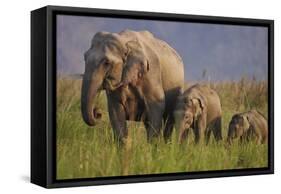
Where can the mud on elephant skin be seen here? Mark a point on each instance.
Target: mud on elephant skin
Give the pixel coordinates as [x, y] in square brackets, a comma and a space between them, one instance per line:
[151, 100]
[199, 109]
[247, 125]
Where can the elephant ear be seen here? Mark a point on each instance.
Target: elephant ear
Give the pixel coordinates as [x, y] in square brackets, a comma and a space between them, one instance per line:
[133, 45]
[134, 48]
[246, 122]
[198, 105]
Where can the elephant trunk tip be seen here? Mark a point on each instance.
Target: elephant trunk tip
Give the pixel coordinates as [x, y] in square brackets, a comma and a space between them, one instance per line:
[121, 84]
[181, 136]
[94, 115]
[97, 113]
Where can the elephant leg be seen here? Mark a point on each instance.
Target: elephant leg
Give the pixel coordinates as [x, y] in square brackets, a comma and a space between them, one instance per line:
[217, 130]
[198, 135]
[153, 130]
[259, 139]
[243, 139]
[184, 136]
[264, 140]
[200, 129]
[196, 132]
[117, 117]
[249, 135]
[153, 122]
[207, 135]
[168, 130]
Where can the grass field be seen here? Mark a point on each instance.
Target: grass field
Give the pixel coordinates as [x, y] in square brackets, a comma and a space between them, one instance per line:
[84, 152]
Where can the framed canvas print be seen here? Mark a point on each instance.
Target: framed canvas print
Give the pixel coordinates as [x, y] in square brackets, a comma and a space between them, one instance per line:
[125, 96]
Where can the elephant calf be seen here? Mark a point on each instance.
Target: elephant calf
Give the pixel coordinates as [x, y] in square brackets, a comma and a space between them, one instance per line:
[198, 108]
[247, 125]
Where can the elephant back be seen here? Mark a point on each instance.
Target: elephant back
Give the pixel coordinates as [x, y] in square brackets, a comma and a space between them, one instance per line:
[171, 67]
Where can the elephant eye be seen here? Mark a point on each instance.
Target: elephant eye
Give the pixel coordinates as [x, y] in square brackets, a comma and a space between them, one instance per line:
[106, 63]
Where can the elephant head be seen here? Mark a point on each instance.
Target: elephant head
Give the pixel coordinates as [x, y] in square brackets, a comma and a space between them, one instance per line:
[103, 70]
[187, 111]
[136, 65]
[238, 125]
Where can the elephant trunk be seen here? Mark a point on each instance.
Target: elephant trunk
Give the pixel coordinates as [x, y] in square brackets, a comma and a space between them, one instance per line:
[91, 85]
[130, 76]
[124, 79]
[182, 132]
[231, 134]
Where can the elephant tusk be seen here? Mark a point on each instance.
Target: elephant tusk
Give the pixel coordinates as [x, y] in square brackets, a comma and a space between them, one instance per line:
[121, 84]
[114, 87]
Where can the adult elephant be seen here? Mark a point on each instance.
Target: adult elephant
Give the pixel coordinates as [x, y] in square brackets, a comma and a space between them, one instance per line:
[104, 64]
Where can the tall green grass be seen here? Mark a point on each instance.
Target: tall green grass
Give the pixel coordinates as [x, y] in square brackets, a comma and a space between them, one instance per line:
[84, 152]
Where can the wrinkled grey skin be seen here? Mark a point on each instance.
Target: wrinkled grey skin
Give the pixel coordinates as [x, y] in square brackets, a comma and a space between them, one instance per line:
[151, 101]
[248, 125]
[198, 108]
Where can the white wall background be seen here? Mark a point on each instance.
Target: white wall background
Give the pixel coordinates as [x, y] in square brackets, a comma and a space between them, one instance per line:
[15, 95]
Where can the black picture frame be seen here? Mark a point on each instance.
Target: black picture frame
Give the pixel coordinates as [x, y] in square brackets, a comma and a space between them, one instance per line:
[43, 95]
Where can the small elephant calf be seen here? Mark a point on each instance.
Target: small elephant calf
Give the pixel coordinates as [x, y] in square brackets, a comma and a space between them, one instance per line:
[198, 108]
[248, 125]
